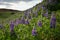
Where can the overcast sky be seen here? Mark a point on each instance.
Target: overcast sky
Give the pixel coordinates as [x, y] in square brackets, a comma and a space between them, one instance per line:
[18, 4]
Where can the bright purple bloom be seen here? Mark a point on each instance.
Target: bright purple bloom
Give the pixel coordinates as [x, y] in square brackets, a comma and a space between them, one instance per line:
[11, 26]
[53, 21]
[40, 23]
[34, 32]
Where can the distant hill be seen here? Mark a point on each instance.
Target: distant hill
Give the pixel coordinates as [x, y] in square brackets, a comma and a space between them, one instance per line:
[8, 10]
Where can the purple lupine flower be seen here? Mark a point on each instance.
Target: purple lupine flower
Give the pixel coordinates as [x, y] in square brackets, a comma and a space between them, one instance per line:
[27, 22]
[38, 8]
[43, 7]
[1, 26]
[22, 20]
[53, 21]
[36, 13]
[49, 1]
[34, 32]
[11, 26]
[29, 16]
[17, 21]
[40, 23]
[25, 14]
[29, 11]
[46, 14]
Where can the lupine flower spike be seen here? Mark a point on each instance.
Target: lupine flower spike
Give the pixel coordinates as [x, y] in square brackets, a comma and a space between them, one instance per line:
[26, 22]
[34, 32]
[53, 21]
[17, 21]
[40, 23]
[22, 20]
[11, 26]
[12, 33]
[46, 14]
[43, 7]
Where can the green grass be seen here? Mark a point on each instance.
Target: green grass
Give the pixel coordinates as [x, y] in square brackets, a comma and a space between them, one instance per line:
[24, 32]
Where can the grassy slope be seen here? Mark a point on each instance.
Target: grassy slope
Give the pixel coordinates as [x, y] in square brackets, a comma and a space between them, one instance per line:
[44, 32]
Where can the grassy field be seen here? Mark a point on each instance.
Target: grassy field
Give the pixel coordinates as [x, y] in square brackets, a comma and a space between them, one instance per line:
[24, 31]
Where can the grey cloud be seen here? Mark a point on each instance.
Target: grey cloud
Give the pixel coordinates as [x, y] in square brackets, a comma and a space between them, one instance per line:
[14, 0]
[4, 4]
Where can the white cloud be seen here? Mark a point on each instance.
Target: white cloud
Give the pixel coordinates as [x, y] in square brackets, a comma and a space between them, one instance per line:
[20, 5]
